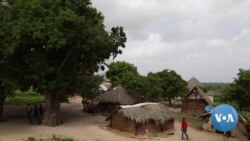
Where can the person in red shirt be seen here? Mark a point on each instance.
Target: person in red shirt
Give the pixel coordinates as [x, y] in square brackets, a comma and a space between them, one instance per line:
[184, 126]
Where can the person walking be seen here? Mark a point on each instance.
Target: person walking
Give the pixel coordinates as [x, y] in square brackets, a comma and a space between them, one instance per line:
[184, 126]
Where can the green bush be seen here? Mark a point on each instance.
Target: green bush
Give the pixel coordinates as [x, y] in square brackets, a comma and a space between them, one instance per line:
[20, 98]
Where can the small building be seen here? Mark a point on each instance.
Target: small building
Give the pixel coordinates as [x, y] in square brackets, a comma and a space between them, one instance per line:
[142, 118]
[195, 101]
[240, 131]
[115, 97]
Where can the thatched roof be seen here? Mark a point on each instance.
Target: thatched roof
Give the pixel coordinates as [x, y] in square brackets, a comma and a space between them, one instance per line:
[118, 95]
[144, 112]
[198, 92]
[193, 82]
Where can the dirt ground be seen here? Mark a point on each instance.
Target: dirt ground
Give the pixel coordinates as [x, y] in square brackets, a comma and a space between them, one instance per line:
[85, 127]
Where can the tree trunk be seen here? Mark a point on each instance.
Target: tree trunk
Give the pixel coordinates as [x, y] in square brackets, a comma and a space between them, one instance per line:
[170, 102]
[2, 99]
[52, 115]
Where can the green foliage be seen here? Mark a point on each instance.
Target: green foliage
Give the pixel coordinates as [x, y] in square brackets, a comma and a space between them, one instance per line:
[215, 86]
[24, 97]
[204, 89]
[55, 138]
[123, 73]
[90, 86]
[154, 86]
[246, 114]
[161, 84]
[118, 72]
[172, 84]
[55, 46]
[238, 93]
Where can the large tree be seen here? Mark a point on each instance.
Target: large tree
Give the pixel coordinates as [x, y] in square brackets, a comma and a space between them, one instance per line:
[61, 44]
[9, 70]
[166, 83]
[118, 70]
[238, 93]
[172, 84]
[126, 74]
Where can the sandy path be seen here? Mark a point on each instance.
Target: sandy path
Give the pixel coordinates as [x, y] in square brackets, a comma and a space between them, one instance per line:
[83, 127]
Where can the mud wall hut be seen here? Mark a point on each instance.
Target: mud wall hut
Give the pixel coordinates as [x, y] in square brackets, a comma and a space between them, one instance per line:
[195, 101]
[142, 118]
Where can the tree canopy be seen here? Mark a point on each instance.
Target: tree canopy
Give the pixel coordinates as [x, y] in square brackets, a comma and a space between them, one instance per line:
[55, 45]
[118, 70]
[171, 84]
[166, 83]
[238, 93]
[62, 41]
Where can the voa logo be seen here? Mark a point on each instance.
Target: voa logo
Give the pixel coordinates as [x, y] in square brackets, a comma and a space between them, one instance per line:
[227, 118]
[224, 118]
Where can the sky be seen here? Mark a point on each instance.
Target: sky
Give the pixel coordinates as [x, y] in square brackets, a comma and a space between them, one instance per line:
[207, 39]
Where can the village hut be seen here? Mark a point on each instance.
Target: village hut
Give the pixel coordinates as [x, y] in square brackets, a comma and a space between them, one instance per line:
[195, 101]
[240, 131]
[142, 118]
[114, 97]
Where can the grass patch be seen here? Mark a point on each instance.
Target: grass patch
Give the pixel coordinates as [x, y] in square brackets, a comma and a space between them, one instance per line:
[21, 98]
[53, 138]
[193, 121]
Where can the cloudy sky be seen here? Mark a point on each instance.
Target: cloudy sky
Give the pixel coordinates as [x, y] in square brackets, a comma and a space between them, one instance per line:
[208, 39]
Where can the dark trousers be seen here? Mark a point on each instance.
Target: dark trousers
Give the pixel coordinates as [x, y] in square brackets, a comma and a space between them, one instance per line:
[30, 117]
[184, 132]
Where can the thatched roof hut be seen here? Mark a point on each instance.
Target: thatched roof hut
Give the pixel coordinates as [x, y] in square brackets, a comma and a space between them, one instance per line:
[118, 95]
[144, 112]
[142, 118]
[195, 101]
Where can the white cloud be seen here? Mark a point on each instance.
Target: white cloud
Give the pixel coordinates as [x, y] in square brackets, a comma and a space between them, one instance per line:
[208, 39]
